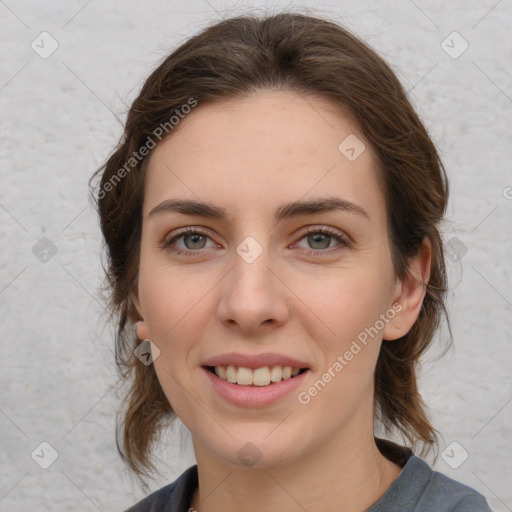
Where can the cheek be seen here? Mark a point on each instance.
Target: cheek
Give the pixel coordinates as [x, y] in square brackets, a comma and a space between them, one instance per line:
[344, 329]
[173, 310]
[343, 302]
[167, 294]
[345, 309]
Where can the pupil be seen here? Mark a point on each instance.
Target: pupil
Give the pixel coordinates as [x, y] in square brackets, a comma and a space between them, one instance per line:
[318, 238]
[196, 239]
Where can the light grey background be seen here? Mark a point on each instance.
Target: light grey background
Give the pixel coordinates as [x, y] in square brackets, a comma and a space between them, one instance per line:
[60, 118]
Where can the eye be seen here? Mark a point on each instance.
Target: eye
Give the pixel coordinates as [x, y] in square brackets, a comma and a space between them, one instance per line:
[319, 240]
[188, 242]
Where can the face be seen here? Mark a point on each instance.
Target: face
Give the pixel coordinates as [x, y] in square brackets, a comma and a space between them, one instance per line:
[268, 274]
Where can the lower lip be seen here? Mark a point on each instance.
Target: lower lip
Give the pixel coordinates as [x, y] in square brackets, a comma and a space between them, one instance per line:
[255, 396]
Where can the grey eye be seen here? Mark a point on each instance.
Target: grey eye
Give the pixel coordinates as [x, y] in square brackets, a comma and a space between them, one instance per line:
[197, 241]
[319, 240]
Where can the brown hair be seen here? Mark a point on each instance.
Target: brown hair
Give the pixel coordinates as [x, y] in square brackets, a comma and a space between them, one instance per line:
[309, 55]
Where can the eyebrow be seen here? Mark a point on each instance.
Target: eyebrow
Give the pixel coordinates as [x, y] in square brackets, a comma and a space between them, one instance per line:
[284, 211]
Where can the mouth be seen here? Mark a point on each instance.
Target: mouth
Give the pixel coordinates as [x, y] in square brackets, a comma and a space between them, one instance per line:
[265, 376]
[255, 387]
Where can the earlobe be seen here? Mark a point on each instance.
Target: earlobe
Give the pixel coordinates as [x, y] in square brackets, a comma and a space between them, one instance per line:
[410, 293]
[142, 330]
[141, 325]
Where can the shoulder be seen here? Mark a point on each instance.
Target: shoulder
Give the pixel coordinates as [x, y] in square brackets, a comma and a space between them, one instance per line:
[174, 497]
[445, 494]
[421, 489]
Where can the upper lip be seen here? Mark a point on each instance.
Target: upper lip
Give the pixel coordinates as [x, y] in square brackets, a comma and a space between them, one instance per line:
[254, 361]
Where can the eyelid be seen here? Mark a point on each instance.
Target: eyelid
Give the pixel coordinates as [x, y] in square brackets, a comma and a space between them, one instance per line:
[174, 235]
[344, 240]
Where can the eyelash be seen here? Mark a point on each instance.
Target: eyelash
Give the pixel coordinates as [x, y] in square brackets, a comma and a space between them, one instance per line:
[340, 238]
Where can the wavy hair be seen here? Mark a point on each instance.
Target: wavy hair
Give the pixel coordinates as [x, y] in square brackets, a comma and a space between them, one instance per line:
[309, 55]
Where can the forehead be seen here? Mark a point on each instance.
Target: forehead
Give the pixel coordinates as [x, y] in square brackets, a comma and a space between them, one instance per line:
[263, 149]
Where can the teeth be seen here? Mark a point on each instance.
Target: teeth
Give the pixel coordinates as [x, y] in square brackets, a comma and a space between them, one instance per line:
[276, 374]
[258, 377]
[221, 372]
[244, 376]
[231, 374]
[261, 377]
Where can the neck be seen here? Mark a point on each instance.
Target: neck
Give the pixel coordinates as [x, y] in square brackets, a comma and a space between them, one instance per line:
[341, 476]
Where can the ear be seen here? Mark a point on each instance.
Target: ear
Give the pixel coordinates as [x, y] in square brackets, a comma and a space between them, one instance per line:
[141, 324]
[410, 293]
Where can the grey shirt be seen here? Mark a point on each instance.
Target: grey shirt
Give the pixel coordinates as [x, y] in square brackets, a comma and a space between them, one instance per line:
[417, 489]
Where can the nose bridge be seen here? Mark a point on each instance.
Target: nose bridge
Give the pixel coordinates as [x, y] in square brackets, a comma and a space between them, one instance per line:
[251, 266]
[251, 276]
[252, 295]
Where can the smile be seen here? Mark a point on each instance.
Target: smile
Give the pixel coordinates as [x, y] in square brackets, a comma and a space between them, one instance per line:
[255, 395]
[265, 376]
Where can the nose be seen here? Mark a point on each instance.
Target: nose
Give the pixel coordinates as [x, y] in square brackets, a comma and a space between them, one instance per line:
[253, 296]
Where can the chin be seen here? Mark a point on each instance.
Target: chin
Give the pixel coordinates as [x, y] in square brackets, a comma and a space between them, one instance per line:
[257, 452]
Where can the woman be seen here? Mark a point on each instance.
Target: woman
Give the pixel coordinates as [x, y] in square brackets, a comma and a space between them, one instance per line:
[271, 218]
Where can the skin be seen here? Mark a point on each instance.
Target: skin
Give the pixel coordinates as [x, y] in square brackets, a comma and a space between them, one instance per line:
[303, 296]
